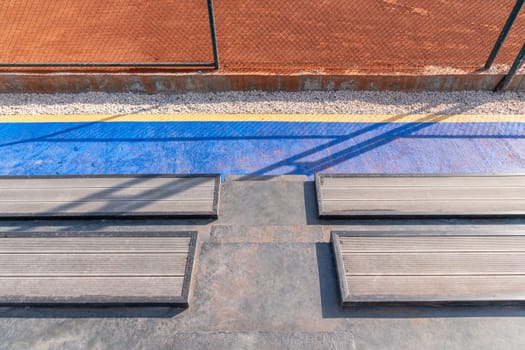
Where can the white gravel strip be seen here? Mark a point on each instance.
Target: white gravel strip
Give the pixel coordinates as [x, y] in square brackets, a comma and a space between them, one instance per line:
[341, 102]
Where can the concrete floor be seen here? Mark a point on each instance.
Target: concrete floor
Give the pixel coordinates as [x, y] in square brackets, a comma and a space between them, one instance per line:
[264, 279]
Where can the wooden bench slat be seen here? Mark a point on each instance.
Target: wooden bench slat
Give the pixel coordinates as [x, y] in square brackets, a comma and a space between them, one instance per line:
[421, 180]
[106, 181]
[80, 264]
[92, 245]
[103, 208]
[110, 196]
[107, 194]
[444, 288]
[472, 207]
[49, 290]
[441, 263]
[424, 193]
[420, 195]
[412, 267]
[96, 268]
[434, 243]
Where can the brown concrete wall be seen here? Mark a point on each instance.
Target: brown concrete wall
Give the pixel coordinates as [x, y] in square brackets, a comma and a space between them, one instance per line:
[213, 82]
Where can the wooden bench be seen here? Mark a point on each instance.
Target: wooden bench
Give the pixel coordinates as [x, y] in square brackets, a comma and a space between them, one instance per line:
[109, 196]
[453, 267]
[390, 196]
[96, 268]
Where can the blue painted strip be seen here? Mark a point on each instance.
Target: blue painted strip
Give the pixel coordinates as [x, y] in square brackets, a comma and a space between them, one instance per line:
[260, 148]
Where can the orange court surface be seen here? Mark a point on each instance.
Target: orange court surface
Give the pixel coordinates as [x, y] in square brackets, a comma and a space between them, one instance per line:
[322, 36]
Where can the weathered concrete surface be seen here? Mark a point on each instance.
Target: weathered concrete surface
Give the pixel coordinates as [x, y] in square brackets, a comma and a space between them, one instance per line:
[219, 82]
[254, 202]
[264, 279]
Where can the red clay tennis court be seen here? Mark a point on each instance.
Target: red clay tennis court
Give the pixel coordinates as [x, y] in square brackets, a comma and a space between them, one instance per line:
[361, 36]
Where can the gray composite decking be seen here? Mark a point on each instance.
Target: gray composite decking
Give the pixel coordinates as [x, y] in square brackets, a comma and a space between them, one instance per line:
[420, 195]
[414, 267]
[110, 196]
[96, 268]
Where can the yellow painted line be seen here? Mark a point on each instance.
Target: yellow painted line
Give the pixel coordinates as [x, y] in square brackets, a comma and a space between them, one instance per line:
[304, 118]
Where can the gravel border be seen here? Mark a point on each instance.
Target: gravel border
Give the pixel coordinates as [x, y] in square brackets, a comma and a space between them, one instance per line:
[340, 102]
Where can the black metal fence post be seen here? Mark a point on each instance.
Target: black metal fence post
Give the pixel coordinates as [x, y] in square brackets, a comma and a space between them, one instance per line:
[504, 84]
[213, 32]
[504, 33]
